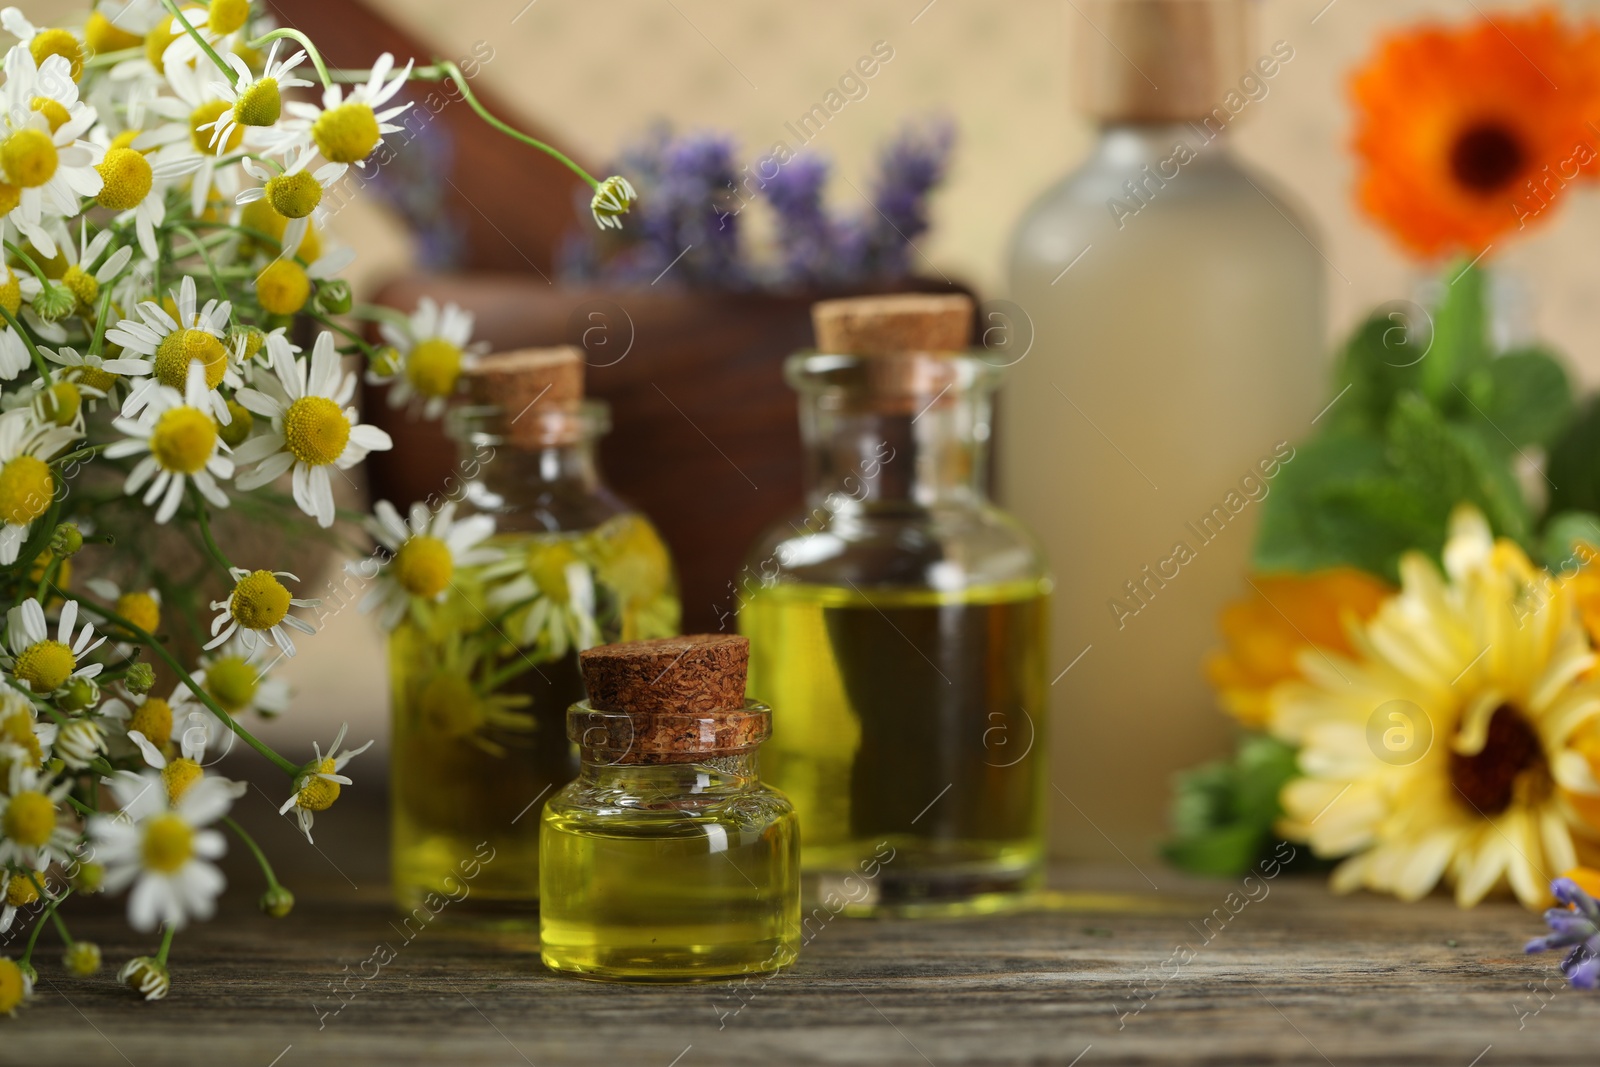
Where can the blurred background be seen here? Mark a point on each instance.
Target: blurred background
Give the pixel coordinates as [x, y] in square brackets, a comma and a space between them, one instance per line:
[591, 77]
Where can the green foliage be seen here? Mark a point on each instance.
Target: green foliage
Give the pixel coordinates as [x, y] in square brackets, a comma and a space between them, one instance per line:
[1424, 420]
[1223, 812]
[1562, 532]
[1574, 467]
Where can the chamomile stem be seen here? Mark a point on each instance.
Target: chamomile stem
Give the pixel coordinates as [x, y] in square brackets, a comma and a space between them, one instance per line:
[50, 910]
[100, 323]
[205, 46]
[193, 686]
[203, 515]
[33, 350]
[250, 843]
[449, 70]
[305, 42]
[166, 944]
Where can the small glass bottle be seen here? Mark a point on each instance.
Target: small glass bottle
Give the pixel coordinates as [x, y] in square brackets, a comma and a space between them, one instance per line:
[668, 859]
[899, 624]
[481, 679]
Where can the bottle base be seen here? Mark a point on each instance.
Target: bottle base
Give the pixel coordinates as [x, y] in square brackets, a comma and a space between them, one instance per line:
[654, 965]
[923, 893]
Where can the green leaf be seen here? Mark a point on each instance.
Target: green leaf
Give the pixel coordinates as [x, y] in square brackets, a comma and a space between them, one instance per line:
[1562, 532]
[1294, 533]
[1223, 812]
[1445, 463]
[1521, 398]
[1574, 466]
[1380, 361]
[1460, 335]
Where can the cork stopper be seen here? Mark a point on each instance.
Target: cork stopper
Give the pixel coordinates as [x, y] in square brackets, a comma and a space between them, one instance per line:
[885, 325]
[537, 391]
[1159, 60]
[670, 700]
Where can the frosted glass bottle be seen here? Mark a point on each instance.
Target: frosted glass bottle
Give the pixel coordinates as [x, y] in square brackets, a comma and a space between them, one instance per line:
[1176, 357]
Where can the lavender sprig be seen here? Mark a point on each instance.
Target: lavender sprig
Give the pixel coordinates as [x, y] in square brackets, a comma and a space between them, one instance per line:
[1574, 926]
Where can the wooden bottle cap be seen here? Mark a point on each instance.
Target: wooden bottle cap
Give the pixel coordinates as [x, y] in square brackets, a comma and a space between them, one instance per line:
[670, 700]
[691, 674]
[537, 390]
[1195, 51]
[888, 325]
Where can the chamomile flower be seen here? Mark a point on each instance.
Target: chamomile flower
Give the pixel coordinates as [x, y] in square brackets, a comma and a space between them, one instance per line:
[98, 377]
[612, 199]
[33, 832]
[313, 427]
[186, 133]
[43, 42]
[434, 349]
[80, 742]
[22, 734]
[258, 611]
[255, 101]
[42, 664]
[220, 22]
[17, 891]
[47, 165]
[81, 277]
[344, 130]
[167, 347]
[424, 554]
[27, 484]
[138, 189]
[550, 592]
[236, 677]
[142, 607]
[295, 193]
[163, 850]
[16, 986]
[154, 724]
[317, 785]
[179, 435]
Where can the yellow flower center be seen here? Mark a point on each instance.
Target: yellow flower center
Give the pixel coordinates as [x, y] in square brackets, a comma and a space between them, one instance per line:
[433, 367]
[168, 844]
[26, 489]
[232, 683]
[30, 818]
[10, 197]
[45, 666]
[13, 987]
[294, 196]
[54, 111]
[60, 403]
[283, 287]
[259, 601]
[103, 35]
[448, 706]
[385, 362]
[153, 718]
[182, 347]
[17, 729]
[423, 566]
[178, 776]
[47, 43]
[82, 958]
[127, 179]
[226, 16]
[547, 565]
[347, 133]
[11, 290]
[29, 158]
[239, 424]
[315, 430]
[259, 105]
[318, 794]
[204, 116]
[20, 891]
[82, 285]
[156, 41]
[142, 610]
[183, 440]
[95, 378]
[253, 340]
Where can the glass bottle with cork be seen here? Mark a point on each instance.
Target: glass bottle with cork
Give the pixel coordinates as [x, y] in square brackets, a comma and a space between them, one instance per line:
[668, 859]
[898, 625]
[481, 679]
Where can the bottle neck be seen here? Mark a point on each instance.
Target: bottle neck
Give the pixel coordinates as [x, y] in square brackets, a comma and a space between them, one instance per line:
[568, 465]
[660, 782]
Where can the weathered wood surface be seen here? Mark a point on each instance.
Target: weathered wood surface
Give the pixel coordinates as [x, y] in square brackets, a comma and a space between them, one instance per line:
[1296, 976]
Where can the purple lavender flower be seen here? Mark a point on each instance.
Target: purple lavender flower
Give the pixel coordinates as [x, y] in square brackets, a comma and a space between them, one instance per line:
[805, 235]
[879, 245]
[1574, 926]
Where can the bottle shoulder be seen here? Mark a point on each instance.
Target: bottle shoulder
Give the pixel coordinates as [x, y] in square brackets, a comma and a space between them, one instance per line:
[941, 548]
[630, 808]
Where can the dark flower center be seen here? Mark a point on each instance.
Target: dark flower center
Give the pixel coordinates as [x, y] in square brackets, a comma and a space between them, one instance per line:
[1486, 780]
[1486, 157]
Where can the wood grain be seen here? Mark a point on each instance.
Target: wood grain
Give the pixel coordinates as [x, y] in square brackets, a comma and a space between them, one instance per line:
[1295, 976]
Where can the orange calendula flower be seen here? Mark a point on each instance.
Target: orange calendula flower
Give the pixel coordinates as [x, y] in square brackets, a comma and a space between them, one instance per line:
[1588, 879]
[1265, 632]
[1467, 133]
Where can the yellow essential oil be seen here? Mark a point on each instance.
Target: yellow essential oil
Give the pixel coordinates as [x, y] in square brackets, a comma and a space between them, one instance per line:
[913, 720]
[645, 889]
[668, 859]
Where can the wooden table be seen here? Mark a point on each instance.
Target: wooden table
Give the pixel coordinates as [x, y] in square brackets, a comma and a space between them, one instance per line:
[1294, 975]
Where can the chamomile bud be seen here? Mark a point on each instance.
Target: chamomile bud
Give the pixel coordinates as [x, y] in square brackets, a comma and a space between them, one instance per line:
[55, 301]
[141, 678]
[333, 296]
[82, 958]
[146, 976]
[277, 902]
[89, 877]
[66, 540]
[612, 198]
